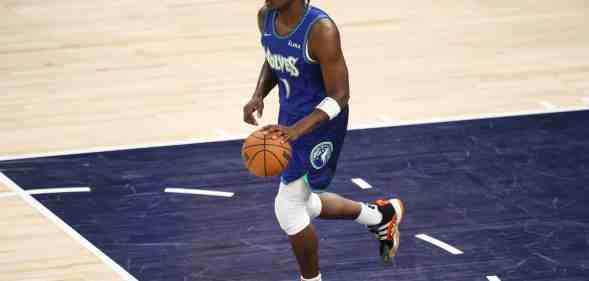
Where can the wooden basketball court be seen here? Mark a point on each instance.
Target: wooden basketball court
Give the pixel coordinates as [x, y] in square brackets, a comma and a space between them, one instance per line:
[91, 76]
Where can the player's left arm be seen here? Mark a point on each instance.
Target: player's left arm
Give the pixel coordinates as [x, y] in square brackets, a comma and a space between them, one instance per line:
[324, 47]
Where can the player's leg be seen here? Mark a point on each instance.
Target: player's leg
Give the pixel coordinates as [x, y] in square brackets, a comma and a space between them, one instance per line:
[306, 249]
[332, 206]
[291, 209]
[382, 217]
[296, 205]
[336, 207]
[295, 198]
[339, 208]
[321, 167]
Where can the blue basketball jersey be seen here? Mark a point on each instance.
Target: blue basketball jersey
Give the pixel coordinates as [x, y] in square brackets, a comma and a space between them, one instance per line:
[300, 80]
[301, 89]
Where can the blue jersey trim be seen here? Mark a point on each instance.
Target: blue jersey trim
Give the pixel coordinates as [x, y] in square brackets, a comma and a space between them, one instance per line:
[264, 27]
[301, 21]
[306, 38]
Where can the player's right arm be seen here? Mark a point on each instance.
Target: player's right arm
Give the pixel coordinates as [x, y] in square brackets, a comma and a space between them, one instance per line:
[266, 82]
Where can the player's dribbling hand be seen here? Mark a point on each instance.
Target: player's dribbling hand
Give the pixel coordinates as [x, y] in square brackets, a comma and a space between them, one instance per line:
[255, 104]
[282, 133]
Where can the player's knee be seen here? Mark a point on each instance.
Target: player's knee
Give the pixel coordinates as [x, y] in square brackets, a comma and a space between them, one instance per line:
[290, 207]
[314, 206]
[292, 216]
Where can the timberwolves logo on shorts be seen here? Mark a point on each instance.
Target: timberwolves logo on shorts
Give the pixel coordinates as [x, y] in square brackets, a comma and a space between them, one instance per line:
[321, 154]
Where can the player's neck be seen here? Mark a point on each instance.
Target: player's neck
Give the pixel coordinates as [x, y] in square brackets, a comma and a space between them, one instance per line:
[291, 15]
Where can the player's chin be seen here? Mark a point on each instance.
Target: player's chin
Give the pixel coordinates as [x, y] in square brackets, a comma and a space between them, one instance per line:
[277, 4]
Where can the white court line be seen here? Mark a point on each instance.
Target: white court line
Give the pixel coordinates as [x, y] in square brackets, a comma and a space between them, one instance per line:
[224, 134]
[361, 183]
[104, 149]
[441, 244]
[548, 105]
[387, 120]
[471, 117]
[247, 132]
[8, 194]
[227, 138]
[57, 190]
[66, 228]
[493, 278]
[198, 192]
[47, 191]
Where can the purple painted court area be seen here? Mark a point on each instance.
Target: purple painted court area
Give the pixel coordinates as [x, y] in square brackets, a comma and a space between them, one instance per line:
[512, 193]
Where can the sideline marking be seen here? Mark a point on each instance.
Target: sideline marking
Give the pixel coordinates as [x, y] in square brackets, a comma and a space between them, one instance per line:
[548, 105]
[8, 194]
[65, 227]
[224, 134]
[387, 120]
[356, 127]
[471, 117]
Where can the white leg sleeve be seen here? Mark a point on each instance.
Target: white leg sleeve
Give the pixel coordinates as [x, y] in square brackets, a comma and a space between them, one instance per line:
[295, 205]
[314, 206]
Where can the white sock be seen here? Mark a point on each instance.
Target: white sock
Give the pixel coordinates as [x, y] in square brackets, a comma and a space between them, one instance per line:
[369, 215]
[318, 278]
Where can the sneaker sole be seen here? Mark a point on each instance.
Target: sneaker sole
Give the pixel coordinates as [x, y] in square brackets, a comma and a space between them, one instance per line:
[399, 213]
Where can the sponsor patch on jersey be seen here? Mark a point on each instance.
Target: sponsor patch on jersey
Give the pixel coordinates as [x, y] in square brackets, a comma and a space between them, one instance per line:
[294, 45]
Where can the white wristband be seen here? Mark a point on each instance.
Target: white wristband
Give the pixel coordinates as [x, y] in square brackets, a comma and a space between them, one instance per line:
[330, 107]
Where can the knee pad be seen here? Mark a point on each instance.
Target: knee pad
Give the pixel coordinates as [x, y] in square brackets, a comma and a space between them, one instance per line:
[290, 206]
[314, 206]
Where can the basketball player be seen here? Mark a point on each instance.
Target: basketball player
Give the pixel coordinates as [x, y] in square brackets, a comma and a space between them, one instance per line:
[304, 57]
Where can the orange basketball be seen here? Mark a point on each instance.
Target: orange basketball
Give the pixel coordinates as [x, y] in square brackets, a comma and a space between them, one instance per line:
[263, 156]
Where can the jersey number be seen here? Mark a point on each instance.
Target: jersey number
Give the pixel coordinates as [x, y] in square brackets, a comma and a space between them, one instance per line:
[286, 87]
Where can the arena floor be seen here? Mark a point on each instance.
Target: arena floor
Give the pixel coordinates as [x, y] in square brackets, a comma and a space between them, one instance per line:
[474, 113]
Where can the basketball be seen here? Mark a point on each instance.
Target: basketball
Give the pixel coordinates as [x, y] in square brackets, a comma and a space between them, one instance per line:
[263, 156]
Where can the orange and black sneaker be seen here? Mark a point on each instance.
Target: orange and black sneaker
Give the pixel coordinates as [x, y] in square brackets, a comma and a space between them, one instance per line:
[387, 232]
